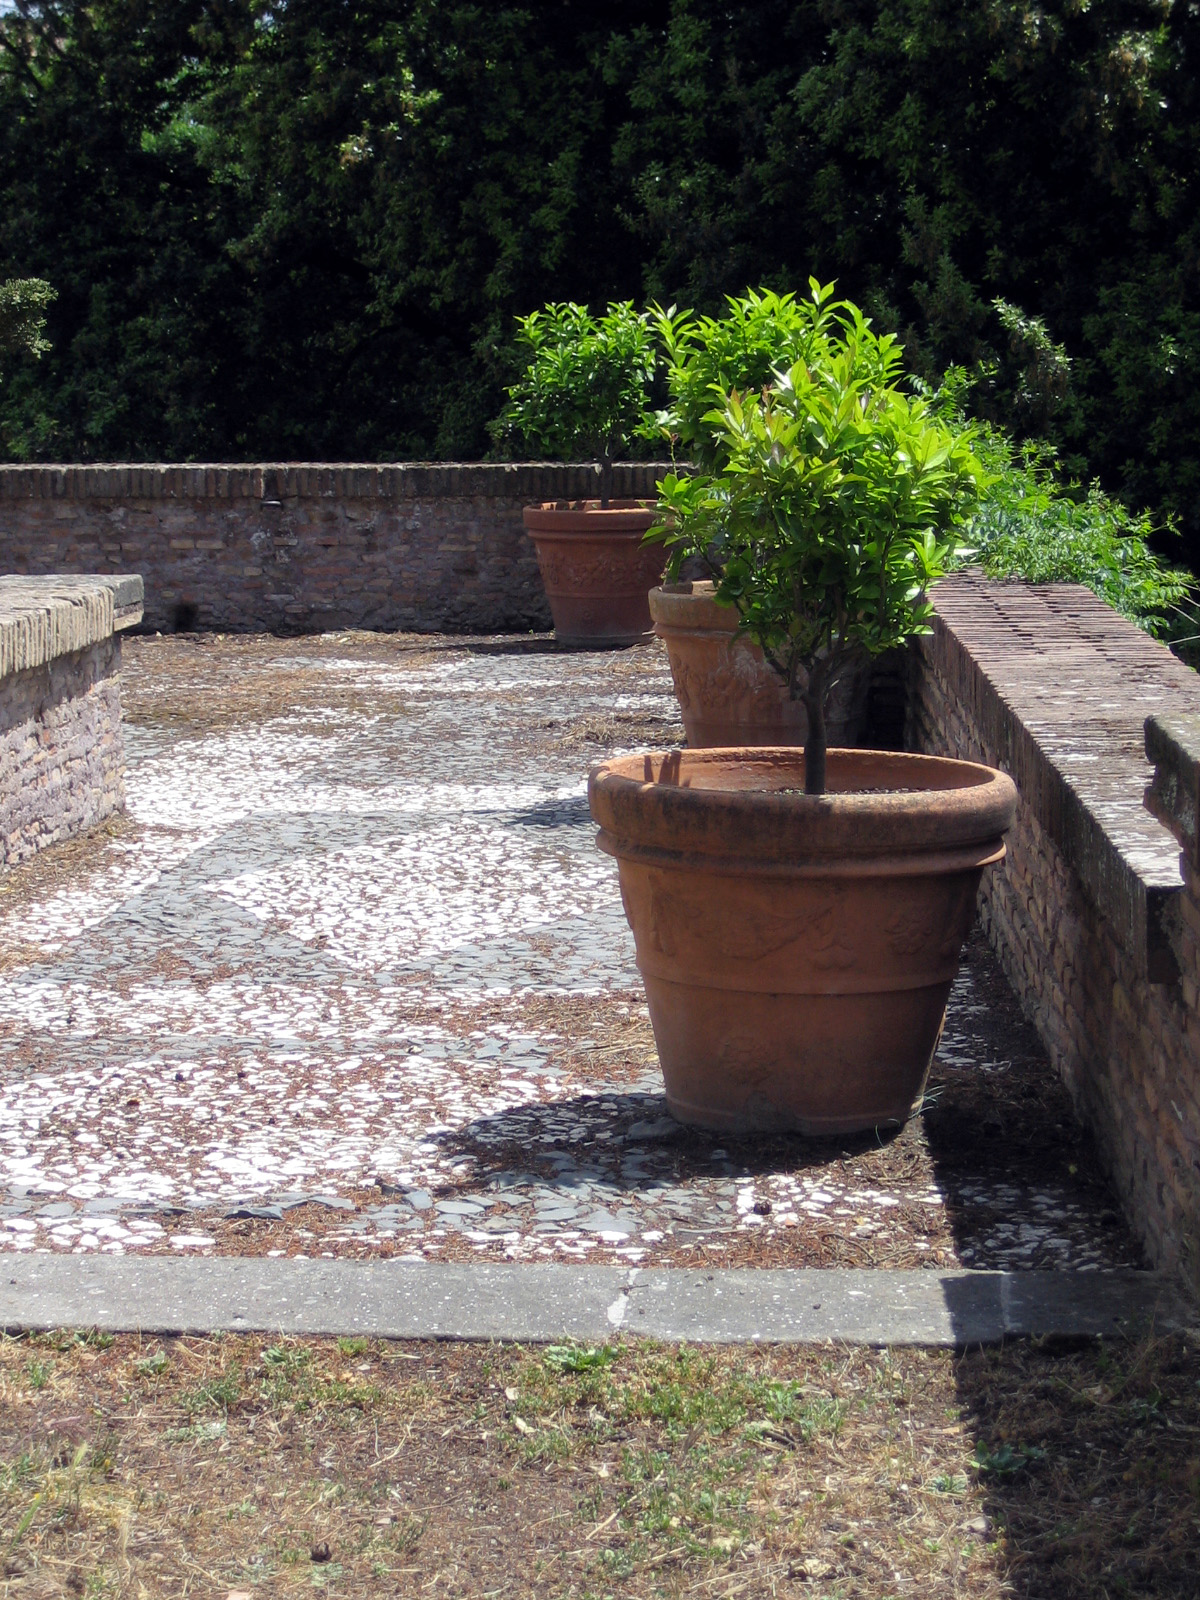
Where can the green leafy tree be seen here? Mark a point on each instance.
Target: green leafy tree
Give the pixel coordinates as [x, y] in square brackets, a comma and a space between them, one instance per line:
[839, 504]
[761, 334]
[306, 229]
[586, 392]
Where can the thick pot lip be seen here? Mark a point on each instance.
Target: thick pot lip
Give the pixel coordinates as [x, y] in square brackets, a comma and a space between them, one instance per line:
[726, 805]
[586, 516]
[692, 611]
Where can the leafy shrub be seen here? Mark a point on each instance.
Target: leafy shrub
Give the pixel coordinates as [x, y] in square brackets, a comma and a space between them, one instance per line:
[762, 334]
[838, 505]
[1032, 524]
[585, 394]
[23, 303]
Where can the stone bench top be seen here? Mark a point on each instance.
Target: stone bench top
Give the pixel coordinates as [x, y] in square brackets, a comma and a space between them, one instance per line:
[45, 617]
[1062, 687]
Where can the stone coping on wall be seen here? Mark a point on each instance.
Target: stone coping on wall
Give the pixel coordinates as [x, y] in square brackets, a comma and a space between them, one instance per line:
[42, 618]
[290, 480]
[1173, 745]
[1061, 687]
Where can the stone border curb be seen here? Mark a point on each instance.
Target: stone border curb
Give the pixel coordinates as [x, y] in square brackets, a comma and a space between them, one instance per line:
[426, 1300]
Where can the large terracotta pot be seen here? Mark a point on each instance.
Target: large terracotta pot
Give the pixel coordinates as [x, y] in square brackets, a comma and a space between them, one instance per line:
[596, 570]
[727, 693]
[798, 950]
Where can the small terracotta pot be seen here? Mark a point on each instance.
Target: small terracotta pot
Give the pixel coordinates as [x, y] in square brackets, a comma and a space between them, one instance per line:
[798, 950]
[727, 693]
[596, 570]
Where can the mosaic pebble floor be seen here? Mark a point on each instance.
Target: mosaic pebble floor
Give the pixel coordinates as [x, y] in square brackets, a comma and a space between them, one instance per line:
[351, 978]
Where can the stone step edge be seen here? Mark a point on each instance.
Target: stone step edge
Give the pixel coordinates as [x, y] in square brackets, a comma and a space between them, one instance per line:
[544, 1303]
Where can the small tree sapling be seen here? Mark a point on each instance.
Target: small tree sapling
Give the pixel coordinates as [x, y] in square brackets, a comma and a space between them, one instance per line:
[838, 504]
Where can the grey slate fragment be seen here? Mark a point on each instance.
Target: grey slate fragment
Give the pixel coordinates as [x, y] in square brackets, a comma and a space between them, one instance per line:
[606, 1222]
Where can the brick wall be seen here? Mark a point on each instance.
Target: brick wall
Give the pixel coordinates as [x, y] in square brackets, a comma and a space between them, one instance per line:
[1091, 915]
[301, 548]
[61, 754]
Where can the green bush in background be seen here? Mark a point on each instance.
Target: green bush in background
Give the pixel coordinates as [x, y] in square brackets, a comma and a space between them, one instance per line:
[23, 303]
[1030, 525]
[303, 230]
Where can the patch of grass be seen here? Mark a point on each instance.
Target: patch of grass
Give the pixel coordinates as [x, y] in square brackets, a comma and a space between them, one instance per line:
[578, 1358]
[215, 1394]
[1007, 1460]
[651, 1471]
[63, 1339]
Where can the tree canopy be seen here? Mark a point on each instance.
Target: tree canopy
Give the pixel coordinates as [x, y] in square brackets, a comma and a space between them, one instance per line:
[305, 229]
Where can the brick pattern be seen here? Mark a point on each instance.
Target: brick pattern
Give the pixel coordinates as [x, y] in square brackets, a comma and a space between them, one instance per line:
[296, 547]
[61, 754]
[1090, 907]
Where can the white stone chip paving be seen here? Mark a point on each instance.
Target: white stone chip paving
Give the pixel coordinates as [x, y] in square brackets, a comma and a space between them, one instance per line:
[323, 966]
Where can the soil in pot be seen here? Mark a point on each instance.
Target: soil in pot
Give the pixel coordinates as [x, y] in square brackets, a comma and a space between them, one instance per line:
[727, 693]
[596, 569]
[798, 950]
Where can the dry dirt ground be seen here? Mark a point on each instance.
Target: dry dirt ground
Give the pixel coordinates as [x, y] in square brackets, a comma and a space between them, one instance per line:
[244, 1467]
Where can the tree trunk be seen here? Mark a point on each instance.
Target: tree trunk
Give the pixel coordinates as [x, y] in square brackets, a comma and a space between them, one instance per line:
[814, 747]
[606, 481]
[813, 700]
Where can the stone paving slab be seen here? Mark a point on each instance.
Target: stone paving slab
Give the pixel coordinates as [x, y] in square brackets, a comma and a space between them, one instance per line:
[899, 1307]
[424, 1300]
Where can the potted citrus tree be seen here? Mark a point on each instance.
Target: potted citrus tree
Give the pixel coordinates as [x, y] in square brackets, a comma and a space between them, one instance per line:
[799, 913]
[586, 396]
[728, 694]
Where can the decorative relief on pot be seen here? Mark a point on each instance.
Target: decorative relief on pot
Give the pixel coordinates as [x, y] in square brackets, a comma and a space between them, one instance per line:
[831, 952]
[914, 926]
[605, 573]
[664, 915]
[678, 920]
[730, 686]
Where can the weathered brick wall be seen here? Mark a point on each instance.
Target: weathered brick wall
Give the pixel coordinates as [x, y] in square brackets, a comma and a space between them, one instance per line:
[1089, 914]
[301, 548]
[61, 753]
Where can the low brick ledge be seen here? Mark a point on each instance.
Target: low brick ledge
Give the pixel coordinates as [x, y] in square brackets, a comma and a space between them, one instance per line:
[45, 617]
[300, 480]
[1173, 745]
[1061, 688]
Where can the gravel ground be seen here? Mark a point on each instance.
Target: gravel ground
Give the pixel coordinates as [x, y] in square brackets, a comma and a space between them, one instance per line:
[351, 978]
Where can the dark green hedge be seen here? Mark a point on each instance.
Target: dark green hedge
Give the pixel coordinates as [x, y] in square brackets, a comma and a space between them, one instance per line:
[303, 230]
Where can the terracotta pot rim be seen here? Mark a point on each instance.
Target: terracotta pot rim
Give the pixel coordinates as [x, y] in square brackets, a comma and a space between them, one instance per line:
[642, 807]
[592, 507]
[693, 614]
[583, 519]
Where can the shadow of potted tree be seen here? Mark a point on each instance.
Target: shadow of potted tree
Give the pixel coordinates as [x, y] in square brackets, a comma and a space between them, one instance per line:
[799, 914]
[586, 396]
